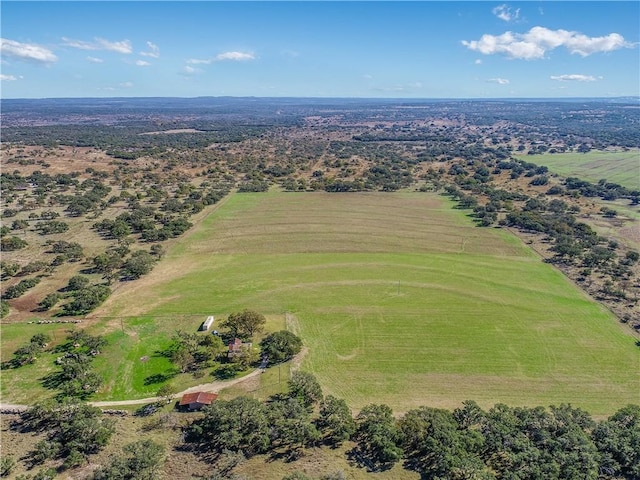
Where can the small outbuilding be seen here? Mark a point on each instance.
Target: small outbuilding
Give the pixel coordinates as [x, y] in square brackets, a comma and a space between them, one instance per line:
[237, 346]
[197, 400]
[206, 324]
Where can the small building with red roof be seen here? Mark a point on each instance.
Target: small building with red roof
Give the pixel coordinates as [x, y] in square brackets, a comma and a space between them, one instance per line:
[197, 400]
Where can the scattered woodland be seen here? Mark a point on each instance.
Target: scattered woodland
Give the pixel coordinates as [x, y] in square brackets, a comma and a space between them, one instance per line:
[93, 191]
[135, 175]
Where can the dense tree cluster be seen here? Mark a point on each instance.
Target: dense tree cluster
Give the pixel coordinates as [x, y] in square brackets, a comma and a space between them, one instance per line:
[14, 291]
[141, 461]
[73, 431]
[9, 244]
[86, 299]
[9, 269]
[280, 346]
[244, 324]
[251, 427]
[192, 351]
[51, 226]
[561, 442]
[27, 353]
[71, 250]
[76, 377]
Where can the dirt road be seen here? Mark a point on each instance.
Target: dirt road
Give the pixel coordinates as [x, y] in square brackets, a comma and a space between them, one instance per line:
[205, 387]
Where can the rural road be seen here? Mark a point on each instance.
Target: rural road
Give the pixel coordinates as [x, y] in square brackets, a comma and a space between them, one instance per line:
[205, 387]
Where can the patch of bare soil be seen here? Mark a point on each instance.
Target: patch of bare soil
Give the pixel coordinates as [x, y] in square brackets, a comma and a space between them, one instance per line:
[24, 305]
[62, 159]
[632, 232]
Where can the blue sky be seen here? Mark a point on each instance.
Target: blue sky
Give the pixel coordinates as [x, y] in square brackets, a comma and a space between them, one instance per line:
[413, 49]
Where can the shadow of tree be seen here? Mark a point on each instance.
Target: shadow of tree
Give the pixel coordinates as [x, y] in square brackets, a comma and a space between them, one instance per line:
[358, 458]
[160, 377]
[53, 380]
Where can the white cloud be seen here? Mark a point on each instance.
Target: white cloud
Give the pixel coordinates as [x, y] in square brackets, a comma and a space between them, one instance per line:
[232, 56]
[126, 84]
[535, 43]
[478, 62]
[235, 56]
[8, 78]
[504, 12]
[584, 46]
[198, 61]
[499, 81]
[94, 60]
[142, 63]
[27, 52]
[154, 51]
[68, 42]
[123, 46]
[574, 78]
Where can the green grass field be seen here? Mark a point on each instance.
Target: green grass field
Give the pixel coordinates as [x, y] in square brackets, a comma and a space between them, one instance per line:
[128, 365]
[400, 299]
[622, 168]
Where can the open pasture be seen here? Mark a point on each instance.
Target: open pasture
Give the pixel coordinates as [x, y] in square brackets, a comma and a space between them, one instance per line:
[401, 300]
[622, 168]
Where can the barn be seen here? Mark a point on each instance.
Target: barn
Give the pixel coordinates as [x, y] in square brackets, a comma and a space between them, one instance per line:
[197, 400]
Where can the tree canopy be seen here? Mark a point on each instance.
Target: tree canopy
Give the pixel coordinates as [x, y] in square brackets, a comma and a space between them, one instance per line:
[74, 430]
[244, 324]
[280, 346]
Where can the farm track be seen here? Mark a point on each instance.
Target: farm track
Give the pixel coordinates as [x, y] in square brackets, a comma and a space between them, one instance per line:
[206, 387]
[214, 387]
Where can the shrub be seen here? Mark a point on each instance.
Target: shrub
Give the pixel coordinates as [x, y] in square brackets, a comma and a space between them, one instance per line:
[9, 244]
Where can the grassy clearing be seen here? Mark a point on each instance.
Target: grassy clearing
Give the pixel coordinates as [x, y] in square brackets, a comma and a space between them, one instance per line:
[401, 300]
[622, 168]
[272, 381]
[132, 365]
[140, 342]
[23, 385]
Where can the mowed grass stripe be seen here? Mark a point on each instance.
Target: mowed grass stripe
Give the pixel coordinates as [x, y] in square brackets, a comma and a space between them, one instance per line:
[321, 222]
[429, 323]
